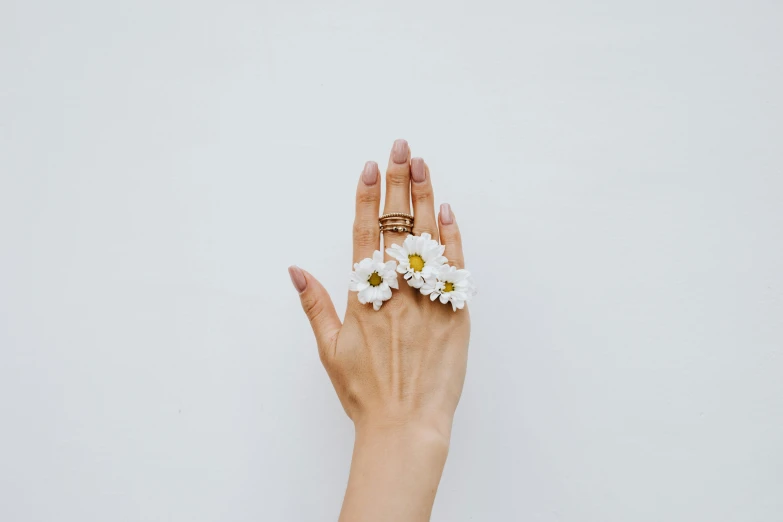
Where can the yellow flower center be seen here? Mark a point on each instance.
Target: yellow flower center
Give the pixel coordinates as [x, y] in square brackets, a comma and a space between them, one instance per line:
[375, 279]
[416, 262]
[448, 286]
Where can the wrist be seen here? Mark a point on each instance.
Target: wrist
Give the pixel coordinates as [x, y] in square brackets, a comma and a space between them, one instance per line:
[431, 431]
[427, 445]
[412, 435]
[395, 472]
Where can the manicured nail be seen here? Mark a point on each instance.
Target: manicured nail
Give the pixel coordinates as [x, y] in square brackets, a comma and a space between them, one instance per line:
[445, 214]
[297, 278]
[370, 173]
[417, 170]
[400, 151]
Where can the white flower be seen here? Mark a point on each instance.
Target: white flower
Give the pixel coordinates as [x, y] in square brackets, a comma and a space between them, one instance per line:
[373, 279]
[450, 284]
[418, 257]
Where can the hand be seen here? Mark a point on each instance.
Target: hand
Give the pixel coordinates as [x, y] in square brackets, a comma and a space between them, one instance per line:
[399, 371]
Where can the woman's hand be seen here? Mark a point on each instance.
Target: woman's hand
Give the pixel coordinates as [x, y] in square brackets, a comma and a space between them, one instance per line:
[398, 371]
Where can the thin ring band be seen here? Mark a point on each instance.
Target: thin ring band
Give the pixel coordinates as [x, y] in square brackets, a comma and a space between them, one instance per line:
[405, 222]
[398, 228]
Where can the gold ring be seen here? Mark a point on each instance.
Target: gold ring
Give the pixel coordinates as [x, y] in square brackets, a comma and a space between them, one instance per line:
[396, 222]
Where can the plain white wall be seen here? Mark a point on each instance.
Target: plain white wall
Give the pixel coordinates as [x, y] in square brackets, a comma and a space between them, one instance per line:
[616, 168]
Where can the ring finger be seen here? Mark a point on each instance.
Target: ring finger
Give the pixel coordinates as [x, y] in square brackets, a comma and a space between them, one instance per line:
[423, 200]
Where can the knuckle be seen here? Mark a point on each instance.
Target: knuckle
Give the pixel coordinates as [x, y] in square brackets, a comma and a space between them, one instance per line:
[312, 307]
[452, 235]
[421, 195]
[364, 234]
[398, 177]
[367, 197]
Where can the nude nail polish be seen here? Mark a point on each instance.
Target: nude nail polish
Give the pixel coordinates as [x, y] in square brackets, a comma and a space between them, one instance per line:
[370, 173]
[446, 217]
[400, 151]
[297, 278]
[418, 173]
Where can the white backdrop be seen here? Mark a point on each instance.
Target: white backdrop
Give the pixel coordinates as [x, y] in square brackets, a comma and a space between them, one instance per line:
[616, 169]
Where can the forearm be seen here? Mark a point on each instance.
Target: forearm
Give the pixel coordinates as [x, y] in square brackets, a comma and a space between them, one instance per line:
[394, 474]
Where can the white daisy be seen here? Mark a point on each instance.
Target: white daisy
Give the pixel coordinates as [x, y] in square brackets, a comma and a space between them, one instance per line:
[418, 257]
[450, 284]
[373, 279]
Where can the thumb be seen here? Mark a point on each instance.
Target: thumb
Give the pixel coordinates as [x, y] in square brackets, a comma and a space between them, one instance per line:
[318, 306]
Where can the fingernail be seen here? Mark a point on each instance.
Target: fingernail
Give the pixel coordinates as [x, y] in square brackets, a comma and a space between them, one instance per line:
[400, 151]
[370, 173]
[445, 214]
[297, 278]
[417, 170]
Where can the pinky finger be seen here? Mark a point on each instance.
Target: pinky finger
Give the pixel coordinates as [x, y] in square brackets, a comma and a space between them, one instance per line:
[450, 236]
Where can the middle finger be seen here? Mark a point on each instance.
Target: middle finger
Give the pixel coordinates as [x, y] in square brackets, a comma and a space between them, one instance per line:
[398, 188]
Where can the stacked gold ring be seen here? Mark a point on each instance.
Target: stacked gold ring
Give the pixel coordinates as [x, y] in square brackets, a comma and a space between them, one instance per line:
[396, 222]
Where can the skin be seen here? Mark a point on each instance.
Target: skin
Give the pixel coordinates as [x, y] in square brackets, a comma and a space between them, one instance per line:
[398, 372]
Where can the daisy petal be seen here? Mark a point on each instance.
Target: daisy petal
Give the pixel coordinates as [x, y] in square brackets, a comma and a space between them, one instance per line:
[416, 282]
